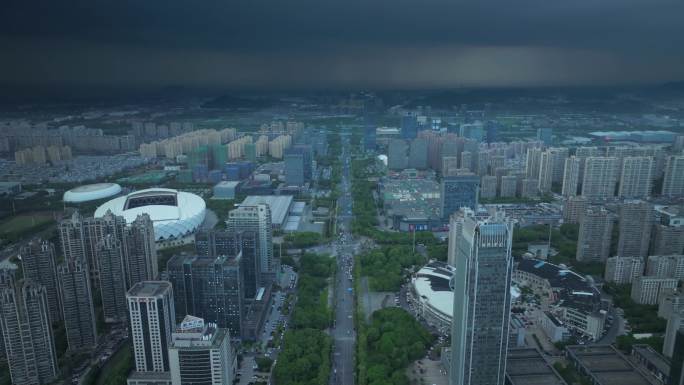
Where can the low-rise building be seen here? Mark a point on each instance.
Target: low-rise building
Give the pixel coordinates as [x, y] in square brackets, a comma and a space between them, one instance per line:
[605, 365]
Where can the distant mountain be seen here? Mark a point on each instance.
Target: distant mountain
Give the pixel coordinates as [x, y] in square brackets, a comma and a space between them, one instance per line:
[236, 102]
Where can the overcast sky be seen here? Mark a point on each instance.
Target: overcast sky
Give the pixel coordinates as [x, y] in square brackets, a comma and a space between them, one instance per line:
[337, 43]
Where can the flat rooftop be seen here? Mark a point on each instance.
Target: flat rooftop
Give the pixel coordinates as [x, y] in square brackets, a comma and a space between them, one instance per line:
[149, 289]
[607, 365]
[279, 205]
[526, 366]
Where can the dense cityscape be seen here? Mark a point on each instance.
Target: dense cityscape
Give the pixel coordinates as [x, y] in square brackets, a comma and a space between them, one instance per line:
[316, 192]
[347, 243]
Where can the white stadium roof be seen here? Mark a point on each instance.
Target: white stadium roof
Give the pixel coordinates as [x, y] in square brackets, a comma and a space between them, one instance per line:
[91, 192]
[174, 213]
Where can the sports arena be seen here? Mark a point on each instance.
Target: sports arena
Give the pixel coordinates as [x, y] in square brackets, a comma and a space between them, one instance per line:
[175, 214]
[91, 192]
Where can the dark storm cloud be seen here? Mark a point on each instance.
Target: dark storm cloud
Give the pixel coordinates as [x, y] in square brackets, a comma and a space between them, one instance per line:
[419, 43]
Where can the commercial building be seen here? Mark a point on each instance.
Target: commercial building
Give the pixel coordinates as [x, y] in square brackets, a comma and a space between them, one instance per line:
[210, 288]
[152, 320]
[635, 224]
[225, 190]
[553, 327]
[482, 290]
[527, 366]
[257, 220]
[459, 191]
[577, 303]
[450, 166]
[596, 226]
[605, 365]
[623, 270]
[200, 353]
[39, 265]
[431, 289]
[600, 177]
[281, 207]
[27, 334]
[636, 178]
[411, 200]
[298, 165]
[418, 154]
[396, 155]
[646, 290]
[673, 183]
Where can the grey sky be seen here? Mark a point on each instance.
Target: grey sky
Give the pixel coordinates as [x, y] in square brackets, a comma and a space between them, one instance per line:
[325, 43]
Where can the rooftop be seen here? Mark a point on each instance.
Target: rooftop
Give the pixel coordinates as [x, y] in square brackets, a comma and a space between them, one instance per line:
[526, 366]
[279, 205]
[607, 365]
[149, 289]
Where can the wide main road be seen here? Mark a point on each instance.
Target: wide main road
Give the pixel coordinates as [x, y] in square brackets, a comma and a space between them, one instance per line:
[343, 333]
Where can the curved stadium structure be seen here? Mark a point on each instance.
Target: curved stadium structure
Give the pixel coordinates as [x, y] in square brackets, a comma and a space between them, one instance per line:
[91, 192]
[175, 214]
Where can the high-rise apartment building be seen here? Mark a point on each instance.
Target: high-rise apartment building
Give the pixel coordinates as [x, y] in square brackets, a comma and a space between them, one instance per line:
[39, 264]
[257, 219]
[459, 191]
[200, 353]
[571, 176]
[600, 177]
[623, 270]
[509, 186]
[27, 334]
[635, 224]
[596, 226]
[152, 318]
[668, 231]
[77, 303]
[479, 338]
[665, 266]
[449, 166]
[646, 290]
[545, 172]
[675, 326]
[140, 251]
[112, 279]
[533, 162]
[488, 187]
[673, 183]
[636, 177]
[298, 165]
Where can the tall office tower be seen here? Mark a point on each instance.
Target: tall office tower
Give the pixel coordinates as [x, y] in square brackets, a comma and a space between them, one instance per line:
[545, 135]
[409, 126]
[200, 353]
[459, 191]
[396, 155]
[509, 186]
[418, 154]
[600, 176]
[257, 219]
[77, 304]
[545, 172]
[635, 225]
[467, 160]
[38, 261]
[636, 177]
[673, 183]
[112, 279]
[571, 176]
[208, 287]
[294, 169]
[479, 338]
[623, 270]
[29, 343]
[488, 186]
[596, 226]
[140, 251]
[533, 162]
[152, 317]
[665, 266]
[449, 166]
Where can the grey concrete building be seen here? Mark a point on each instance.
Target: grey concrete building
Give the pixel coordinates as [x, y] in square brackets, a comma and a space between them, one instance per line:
[39, 264]
[635, 224]
[596, 226]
